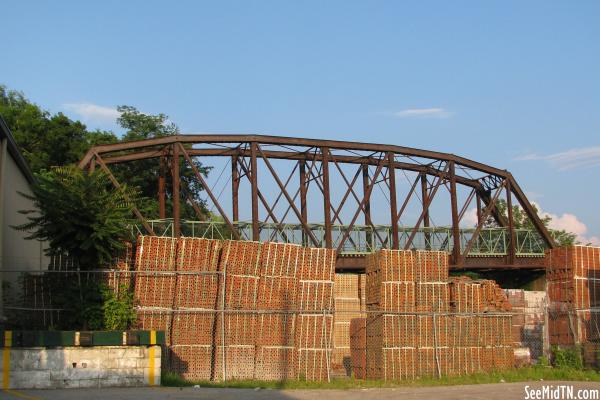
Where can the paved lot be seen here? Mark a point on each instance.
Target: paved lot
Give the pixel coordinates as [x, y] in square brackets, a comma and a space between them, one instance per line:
[500, 391]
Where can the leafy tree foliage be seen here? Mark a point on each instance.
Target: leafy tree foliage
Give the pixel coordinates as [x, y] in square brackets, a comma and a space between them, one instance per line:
[55, 140]
[117, 308]
[143, 174]
[47, 140]
[80, 214]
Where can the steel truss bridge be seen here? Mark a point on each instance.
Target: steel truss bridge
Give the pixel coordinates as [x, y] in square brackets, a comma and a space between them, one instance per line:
[326, 194]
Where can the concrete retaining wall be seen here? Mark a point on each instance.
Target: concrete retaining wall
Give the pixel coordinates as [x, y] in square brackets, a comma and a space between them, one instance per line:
[80, 367]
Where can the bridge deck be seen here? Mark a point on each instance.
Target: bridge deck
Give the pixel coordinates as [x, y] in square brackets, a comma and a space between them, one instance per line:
[490, 250]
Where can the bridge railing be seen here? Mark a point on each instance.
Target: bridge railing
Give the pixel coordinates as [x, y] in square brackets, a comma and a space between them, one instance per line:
[491, 242]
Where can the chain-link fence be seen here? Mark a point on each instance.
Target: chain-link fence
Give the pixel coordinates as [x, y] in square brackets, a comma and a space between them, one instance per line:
[271, 312]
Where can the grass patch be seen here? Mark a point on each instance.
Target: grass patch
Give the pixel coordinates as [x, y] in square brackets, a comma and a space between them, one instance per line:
[514, 375]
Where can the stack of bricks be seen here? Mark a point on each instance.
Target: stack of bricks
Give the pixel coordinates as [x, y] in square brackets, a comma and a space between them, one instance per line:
[237, 327]
[237, 310]
[154, 287]
[155, 272]
[466, 295]
[348, 305]
[493, 297]
[314, 323]
[119, 276]
[414, 329]
[529, 318]
[391, 287]
[277, 297]
[573, 279]
[480, 342]
[358, 347]
[196, 299]
[476, 296]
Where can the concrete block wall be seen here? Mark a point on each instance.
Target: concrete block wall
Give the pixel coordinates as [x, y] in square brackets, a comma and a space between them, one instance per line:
[80, 367]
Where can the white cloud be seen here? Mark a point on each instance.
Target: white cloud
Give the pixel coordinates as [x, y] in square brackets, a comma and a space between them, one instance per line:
[470, 218]
[435, 112]
[93, 113]
[570, 223]
[582, 157]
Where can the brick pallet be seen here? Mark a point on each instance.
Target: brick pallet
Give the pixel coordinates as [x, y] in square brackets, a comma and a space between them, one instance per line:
[358, 347]
[236, 332]
[277, 291]
[529, 319]
[315, 320]
[348, 305]
[277, 321]
[197, 297]
[573, 288]
[412, 329]
[155, 271]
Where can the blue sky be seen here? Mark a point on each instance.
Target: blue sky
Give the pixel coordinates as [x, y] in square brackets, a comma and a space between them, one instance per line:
[512, 84]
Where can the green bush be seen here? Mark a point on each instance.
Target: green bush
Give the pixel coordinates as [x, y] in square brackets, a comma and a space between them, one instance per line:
[567, 357]
[117, 308]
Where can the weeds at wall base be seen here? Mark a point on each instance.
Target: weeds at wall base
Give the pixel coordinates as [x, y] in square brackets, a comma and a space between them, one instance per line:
[535, 373]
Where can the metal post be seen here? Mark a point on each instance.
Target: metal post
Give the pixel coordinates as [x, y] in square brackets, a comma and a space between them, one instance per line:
[326, 198]
[117, 185]
[367, 209]
[175, 179]
[208, 191]
[393, 205]
[223, 300]
[424, 200]
[303, 190]
[455, 229]
[254, 191]
[478, 209]
[162, 210]
[235, 186]
[511, 225]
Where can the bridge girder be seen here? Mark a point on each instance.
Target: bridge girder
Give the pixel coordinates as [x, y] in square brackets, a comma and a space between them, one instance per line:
[434, 169]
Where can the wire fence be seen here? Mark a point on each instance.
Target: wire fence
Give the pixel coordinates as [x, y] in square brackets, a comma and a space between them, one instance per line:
[220, 331]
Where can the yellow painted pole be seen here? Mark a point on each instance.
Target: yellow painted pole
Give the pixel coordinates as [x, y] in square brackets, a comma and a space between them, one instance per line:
[6, 360]
[151, 355]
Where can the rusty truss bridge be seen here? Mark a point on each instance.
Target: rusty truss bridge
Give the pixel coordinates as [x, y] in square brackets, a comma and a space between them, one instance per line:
[354, 197]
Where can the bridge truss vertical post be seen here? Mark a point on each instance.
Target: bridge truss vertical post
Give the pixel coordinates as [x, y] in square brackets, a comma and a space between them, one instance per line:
[326, 198]
[478, 199]
[511, 225]
[176, 183]
[235, 187]
[303, 190]
[455, 219]
[254, 191]
[393, 203]
[424, 200]
[367, 209]
[162, 208]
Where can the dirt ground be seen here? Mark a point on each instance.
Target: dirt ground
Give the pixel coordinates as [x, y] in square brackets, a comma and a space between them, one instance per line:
[497, 391]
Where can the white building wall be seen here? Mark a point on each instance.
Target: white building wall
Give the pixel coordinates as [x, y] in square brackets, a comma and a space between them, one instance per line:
[18, 253]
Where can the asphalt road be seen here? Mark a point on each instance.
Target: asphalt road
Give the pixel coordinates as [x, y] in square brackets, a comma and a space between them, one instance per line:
[497, 391]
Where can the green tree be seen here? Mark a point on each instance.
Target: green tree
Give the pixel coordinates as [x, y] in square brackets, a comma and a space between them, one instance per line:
[143, 174]
[80, 215]
[47, 140]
